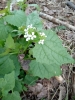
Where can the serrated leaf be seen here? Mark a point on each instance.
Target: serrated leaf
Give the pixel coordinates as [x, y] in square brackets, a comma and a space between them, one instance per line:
[51, 51]
[34, 19]
[7, 83]
[13, 96]
[44, 70]
[17, 19]
[5, 29]
[10, 42]
[10, 83]
[6, 65]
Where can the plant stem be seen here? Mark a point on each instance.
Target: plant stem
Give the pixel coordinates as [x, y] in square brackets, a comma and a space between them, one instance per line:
[26, 47]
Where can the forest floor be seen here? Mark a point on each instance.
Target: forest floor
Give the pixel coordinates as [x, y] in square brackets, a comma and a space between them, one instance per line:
[62, 87]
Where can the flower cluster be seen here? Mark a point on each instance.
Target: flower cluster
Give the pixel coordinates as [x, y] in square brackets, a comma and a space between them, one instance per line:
[41, 41]
[29, 36]
[33, 34]
[42, 34]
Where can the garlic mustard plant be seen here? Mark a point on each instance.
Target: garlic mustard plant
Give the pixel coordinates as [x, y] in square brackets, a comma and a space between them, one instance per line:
[42, 48]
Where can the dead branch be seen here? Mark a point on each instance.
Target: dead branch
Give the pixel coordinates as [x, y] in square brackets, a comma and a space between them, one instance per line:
[55, 93]
[52, 19]
[73, 81]
[68, 81]
[62, 92]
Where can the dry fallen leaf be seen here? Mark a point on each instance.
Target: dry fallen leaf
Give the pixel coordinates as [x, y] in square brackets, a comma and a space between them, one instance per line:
[24, 63]
[43, 93]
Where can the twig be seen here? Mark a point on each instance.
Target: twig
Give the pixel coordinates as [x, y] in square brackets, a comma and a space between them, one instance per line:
[52, 19]
[67, 83]
[73, 80]
[55, 94]
[62, 92]
[48, 91]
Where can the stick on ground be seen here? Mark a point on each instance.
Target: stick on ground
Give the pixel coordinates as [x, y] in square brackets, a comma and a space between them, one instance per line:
[52, 19]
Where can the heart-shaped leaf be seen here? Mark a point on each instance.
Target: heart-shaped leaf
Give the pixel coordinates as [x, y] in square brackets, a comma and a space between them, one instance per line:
[52, 51]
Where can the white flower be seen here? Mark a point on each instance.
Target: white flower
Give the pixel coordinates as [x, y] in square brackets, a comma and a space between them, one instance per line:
[26, 30]
[11, 6]
[34, 28]
[33, 36]
[41, 42]
[27, 35]
[42, 34]
[27, 39]
[29, 26]
[19, 0]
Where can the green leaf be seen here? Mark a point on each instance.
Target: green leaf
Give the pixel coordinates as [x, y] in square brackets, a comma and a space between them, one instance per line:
[44, 70]
[3, 11]
[34, 19]
[13, 96]
[24, 88]
[30, 80]
[17, 19]
[18, 86]
[5, 29]
[2, 50]
[10, 42]
[6, 65]
[52, 51]
[1, 43]
[2, 83]
[3, 59]
[7, 83]
[22, 42]
[16, 63]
